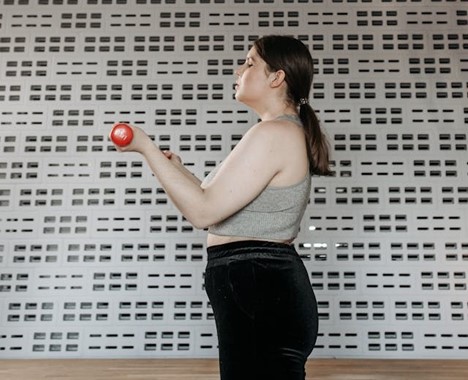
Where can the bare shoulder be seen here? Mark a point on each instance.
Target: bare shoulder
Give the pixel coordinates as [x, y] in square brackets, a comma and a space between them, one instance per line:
[283, 131]
[288, 149]
[276, 140]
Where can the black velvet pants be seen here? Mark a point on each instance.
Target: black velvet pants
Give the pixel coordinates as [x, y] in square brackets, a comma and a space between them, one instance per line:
[265, 310]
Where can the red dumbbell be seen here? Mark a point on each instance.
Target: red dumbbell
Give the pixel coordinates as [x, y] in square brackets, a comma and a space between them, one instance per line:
[121, 134]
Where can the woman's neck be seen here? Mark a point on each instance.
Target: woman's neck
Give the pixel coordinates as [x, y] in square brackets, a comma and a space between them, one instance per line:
[274, 114]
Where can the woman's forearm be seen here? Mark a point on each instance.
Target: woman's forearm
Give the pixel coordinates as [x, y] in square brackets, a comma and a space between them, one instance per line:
[181, 186]
[187, 172]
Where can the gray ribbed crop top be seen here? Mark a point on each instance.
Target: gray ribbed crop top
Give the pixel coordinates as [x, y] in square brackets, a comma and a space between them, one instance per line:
[275, 213]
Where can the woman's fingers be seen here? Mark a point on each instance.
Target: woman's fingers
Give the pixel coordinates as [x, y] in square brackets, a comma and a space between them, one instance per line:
[172, 156]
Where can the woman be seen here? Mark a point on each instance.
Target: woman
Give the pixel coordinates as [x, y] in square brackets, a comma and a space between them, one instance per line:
[252, 204]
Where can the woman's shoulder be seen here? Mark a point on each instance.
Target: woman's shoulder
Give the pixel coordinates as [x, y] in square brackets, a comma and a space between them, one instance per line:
[289, 149]
[279, 137]
[279, 129]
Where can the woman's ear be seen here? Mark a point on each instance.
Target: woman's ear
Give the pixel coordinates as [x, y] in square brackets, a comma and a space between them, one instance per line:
[277, 78]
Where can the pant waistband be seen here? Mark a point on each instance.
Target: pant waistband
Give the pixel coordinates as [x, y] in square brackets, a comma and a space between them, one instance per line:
[249, 246]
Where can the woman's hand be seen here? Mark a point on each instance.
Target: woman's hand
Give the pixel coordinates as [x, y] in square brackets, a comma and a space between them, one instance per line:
[174, 159]
[172, 156]
[140, 142]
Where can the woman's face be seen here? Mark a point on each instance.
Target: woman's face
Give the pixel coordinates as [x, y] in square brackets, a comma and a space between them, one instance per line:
[252, 79]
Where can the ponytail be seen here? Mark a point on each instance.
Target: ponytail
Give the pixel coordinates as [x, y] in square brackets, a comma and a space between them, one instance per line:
[317, 145]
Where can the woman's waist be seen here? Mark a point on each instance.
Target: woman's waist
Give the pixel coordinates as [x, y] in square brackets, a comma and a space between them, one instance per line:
[250, 249]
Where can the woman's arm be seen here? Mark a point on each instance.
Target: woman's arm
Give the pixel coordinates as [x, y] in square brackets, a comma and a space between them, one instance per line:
[244, 174]
[176, 160]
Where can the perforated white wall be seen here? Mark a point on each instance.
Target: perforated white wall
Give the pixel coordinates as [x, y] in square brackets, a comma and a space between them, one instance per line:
[94, 259]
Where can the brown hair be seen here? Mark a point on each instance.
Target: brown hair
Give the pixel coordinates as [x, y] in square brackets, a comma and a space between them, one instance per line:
[293, 57]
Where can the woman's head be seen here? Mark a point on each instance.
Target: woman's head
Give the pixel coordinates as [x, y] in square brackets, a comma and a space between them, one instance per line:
[291, 56]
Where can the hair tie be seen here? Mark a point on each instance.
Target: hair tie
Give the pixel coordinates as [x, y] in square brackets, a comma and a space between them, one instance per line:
[303, 101]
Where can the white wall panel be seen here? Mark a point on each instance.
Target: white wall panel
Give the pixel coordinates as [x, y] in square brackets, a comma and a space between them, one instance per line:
[94, 259]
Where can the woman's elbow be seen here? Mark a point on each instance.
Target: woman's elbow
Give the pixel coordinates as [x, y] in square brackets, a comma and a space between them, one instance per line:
[200, 225]
[200, 221]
